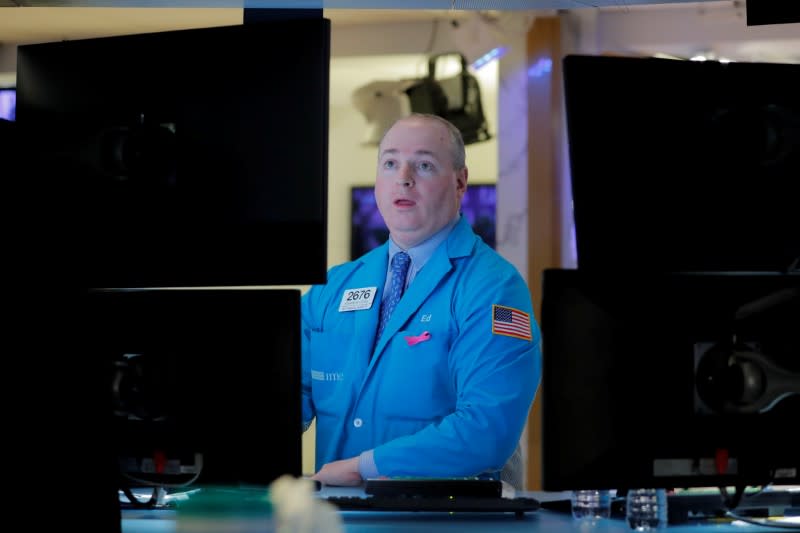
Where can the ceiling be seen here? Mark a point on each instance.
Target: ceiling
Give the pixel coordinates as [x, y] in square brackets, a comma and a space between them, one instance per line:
[43, 24]
[343, 4]
[54, 20]
[30, 21]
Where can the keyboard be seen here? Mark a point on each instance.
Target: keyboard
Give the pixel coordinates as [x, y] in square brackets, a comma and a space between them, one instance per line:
[434, 488]
[519, 506]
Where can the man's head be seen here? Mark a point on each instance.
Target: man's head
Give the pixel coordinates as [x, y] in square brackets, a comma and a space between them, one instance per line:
[421, 177]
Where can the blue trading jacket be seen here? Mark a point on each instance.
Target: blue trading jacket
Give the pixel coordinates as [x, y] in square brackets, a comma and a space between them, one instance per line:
[453, 404]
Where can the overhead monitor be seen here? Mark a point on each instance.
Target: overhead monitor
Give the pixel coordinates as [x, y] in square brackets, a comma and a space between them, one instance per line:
[684, 165]
[180, 158]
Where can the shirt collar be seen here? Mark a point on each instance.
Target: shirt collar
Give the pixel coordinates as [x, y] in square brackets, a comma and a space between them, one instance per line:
[423, 251]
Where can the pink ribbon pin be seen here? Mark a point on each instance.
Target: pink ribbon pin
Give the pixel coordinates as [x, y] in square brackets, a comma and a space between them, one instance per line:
[416, 339]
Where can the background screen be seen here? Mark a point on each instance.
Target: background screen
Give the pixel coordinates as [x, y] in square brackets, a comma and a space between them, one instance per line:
[368, 230]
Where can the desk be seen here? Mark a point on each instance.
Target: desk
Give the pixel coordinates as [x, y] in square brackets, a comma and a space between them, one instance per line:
[369, 522]
[542, 521]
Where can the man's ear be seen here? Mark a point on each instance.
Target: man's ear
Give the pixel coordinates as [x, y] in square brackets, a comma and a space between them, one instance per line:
[461, 180]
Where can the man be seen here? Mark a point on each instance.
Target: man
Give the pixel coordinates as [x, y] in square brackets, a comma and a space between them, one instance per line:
[445, 388]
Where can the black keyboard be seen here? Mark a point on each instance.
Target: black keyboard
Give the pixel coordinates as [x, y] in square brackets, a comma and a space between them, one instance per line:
[434, 488]
[518, 506]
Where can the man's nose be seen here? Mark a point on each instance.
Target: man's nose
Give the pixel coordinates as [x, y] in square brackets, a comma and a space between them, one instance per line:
[406, 176]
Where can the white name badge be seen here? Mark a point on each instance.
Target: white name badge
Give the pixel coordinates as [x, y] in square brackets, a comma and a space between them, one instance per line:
[357, 299]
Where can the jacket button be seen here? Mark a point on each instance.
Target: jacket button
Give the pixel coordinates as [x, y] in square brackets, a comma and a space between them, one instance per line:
[358, 422]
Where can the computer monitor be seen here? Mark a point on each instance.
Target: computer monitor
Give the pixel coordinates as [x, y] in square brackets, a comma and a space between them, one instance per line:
[8, 130]
[669, 379]
[683, 166]
[197, 387]
[181, 158]
[368, 230]
[8, 103]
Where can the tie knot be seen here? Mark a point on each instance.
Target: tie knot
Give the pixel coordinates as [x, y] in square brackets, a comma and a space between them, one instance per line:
[400, 263]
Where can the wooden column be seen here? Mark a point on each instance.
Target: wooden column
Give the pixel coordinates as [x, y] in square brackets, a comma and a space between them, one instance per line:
[545, 168]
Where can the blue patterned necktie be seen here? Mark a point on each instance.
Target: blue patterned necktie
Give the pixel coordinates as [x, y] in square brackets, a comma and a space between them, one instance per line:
[400, 263]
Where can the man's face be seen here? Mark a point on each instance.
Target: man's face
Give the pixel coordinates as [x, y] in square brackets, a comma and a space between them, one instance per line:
[417, 189]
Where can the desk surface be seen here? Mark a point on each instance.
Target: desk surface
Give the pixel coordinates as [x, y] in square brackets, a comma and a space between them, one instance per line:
[164, 521]
[543, 521]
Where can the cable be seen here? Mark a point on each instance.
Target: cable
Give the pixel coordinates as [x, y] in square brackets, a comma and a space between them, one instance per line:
[153, 483]
[733, 502]
[136, 502]
[766, 523]
[432, 38]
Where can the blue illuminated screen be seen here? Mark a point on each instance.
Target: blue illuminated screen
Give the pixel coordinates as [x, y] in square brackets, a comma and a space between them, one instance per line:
[367, 230]
[8, 103]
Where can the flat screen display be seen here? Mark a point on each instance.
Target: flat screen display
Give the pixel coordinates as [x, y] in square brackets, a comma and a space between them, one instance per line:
[181, 158]
[8, 103]
[368, 231]
[684, 166]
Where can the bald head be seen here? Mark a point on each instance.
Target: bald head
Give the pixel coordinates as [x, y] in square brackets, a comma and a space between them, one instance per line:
[456, 141]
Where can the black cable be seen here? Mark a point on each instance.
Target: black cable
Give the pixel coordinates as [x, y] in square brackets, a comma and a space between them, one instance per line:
[766, 523]
[737, 497]
[432, 39]
[732, 502]
[136, 502]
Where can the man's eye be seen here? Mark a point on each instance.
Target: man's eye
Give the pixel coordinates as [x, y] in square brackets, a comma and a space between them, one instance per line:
[389, 164]
[425, 166]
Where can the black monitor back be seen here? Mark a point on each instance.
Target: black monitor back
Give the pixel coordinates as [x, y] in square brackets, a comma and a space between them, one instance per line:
[682, 165]
[180, 158]
[644, 379]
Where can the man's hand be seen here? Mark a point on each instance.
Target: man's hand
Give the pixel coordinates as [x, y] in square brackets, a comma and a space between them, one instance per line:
[343, 473]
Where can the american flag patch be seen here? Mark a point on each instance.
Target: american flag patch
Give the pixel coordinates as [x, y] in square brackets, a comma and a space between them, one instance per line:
[511, 322]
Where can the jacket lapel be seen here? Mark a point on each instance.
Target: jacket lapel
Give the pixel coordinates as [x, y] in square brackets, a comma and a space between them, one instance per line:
[430, 276]
[458, 244]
